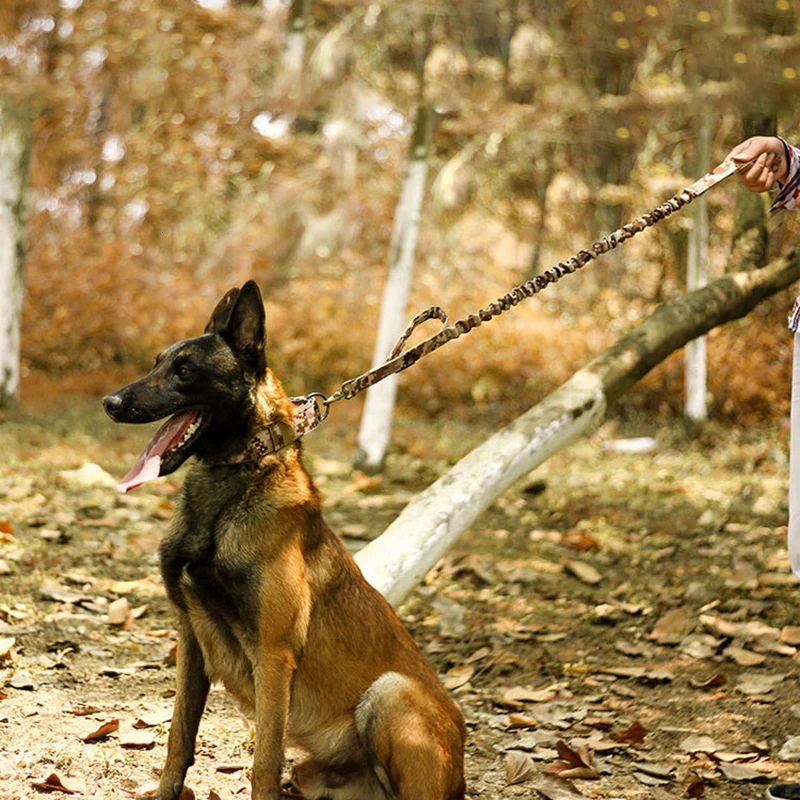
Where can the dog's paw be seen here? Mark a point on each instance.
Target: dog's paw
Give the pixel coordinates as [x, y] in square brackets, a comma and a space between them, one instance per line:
[149, 791]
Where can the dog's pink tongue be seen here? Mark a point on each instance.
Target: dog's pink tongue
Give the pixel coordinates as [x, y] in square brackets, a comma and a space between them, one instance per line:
[148, 465]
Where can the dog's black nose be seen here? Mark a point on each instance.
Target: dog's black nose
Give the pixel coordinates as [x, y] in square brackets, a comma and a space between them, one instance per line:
[112, 403]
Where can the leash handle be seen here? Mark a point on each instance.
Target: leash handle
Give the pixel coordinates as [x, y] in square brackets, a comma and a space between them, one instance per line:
[722, 171]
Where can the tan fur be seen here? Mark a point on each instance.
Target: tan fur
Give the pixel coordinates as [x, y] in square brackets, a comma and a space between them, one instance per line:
[281, 614]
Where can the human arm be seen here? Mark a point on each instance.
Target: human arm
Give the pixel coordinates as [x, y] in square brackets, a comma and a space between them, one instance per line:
[774, 161]
[769, 156]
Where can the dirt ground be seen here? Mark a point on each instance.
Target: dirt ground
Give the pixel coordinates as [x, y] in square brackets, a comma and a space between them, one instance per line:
[626, 620]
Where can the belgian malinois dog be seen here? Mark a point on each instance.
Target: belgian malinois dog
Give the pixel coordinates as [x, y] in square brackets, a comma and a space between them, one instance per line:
[269, 601]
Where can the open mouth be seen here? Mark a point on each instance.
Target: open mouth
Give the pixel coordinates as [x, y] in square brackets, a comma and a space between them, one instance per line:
[166, 451]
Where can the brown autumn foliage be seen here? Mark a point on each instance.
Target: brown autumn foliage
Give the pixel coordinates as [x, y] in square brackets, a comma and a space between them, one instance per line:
[174, 156]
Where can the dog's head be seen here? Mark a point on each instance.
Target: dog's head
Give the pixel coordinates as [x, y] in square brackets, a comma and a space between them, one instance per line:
[205, 385]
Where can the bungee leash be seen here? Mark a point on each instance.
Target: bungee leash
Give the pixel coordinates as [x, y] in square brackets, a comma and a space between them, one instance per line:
[313, 408]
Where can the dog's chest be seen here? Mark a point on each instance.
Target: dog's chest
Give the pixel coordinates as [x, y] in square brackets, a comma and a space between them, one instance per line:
[206, 558]
[215, 584]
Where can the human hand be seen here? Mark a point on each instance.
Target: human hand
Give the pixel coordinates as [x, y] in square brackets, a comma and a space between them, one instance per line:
[769, 164]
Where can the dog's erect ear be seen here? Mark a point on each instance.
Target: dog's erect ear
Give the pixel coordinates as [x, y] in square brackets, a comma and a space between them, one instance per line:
[222, 312]
[245, 329]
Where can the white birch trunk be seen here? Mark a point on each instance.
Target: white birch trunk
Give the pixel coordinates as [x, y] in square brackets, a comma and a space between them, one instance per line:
[15, 140]
[376, 420]
[294, 50]
[697, 277]
[428, 526]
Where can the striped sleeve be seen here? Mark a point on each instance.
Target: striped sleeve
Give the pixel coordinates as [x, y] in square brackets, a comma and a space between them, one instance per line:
[789, 195]
[794, 316]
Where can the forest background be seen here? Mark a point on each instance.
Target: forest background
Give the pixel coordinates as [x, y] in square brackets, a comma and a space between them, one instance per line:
[176, 151]
[179, 148]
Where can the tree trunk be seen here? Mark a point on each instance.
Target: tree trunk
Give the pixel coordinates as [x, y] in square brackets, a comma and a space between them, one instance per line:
[541, 184]
[376, 421]
[15, 144]
[424, 531]
[696, 274]
[749, 244]
[295, 48]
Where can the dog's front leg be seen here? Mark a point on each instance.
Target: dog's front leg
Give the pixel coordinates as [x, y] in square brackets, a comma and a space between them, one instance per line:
[273, 679]
[190, 700]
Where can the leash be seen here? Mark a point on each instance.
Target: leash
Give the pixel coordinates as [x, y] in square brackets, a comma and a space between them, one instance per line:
[313, 409]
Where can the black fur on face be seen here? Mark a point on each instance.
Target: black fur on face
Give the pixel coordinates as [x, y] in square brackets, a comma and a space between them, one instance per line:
[214, 374]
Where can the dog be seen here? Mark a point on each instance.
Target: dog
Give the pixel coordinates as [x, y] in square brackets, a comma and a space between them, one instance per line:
[268, 599]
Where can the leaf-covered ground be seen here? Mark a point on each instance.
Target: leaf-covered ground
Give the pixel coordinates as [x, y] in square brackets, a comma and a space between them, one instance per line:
[626, 620]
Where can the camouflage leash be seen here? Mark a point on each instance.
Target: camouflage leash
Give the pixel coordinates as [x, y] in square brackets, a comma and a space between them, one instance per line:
[313, 408]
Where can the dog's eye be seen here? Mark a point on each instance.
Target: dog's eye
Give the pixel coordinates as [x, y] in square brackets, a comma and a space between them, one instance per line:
[183, 371]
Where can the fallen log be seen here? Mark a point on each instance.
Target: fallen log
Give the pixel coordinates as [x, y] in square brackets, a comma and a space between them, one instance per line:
[429, 525]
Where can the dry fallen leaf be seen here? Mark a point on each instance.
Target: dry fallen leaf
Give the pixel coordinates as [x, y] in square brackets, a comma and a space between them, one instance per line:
[634, 649]
[151, 788]
[633, 735]
[23, 681]
[522, 721]
[458, 676]
[653, 677]
[700, 645]
[584, 572]
[521, 694]
[554, 787]
[138, 739]
[229, 768]
[730, 758]
[153, 718]
[580, 540]
[744, 658]
[673, 626]
[479, 654]
[713, 682]
[743, 774]
[119, 612]
[739, 630]
[660, 771]
[650, 780]
[753, 683]
[7, 648]
[601, 723]
[104, 730]
[575, 763]
[622, 672]
[84, 711]
[52, 783]
[699, 744]
[767, 644]
[574, 757]
[519, 767]
[790, 634]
